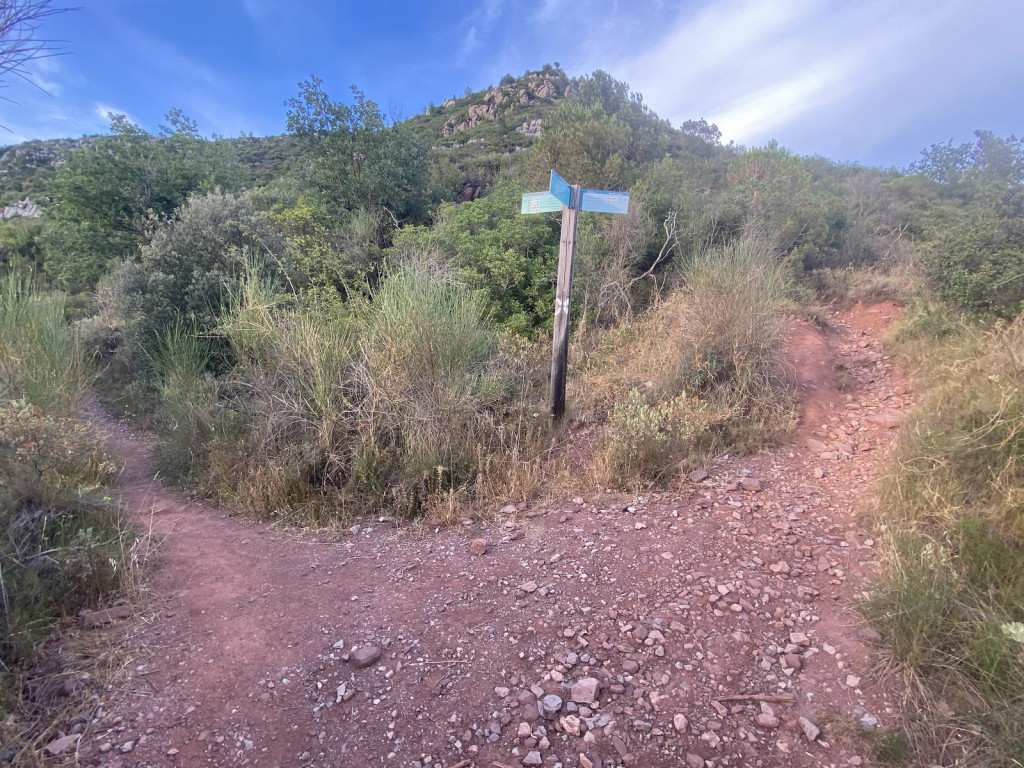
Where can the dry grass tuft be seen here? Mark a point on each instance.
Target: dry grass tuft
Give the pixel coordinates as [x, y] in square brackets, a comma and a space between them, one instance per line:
[705, 366]
[951, 601]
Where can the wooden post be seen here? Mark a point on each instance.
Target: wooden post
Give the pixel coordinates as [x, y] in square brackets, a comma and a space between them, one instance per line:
[563, 298]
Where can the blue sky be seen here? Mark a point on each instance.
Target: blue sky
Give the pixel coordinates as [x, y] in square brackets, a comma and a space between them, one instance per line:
[869, 81]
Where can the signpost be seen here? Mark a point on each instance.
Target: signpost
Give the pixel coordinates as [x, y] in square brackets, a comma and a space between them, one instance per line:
[571, 199]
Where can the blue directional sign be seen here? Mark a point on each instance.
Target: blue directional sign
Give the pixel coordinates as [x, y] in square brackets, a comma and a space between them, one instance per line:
[601, 201]
[561, 189]
[540, 202]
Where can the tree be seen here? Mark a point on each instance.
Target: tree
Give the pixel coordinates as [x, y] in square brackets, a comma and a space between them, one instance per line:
[601, 135]
[113, 191]
[357, 159]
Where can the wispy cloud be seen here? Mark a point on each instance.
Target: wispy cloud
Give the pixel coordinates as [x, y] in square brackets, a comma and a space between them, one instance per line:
[477, 27]
[801, 67]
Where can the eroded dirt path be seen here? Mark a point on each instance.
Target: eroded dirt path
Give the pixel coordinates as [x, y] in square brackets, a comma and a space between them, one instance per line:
[742, 583]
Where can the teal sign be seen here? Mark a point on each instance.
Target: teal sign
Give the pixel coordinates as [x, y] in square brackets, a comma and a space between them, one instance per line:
[560, 188]
[600, 201]
[540, 202]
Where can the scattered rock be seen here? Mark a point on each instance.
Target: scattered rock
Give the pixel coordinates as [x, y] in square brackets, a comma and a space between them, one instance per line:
[570, 724]
[767, 721]
[750, 484]
[680, 723]
[869, 635]
[810, 729]
[478, 547]
[549, 706]
[630, 667]
[886, 419]
[585, 690]
[697, 476]
[106, 615]
[694, 761]
[365, 655]
[533, 758]
[62, 745]
[528, 587]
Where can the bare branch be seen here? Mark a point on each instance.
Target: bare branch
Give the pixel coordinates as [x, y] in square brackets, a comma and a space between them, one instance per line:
[20, 42]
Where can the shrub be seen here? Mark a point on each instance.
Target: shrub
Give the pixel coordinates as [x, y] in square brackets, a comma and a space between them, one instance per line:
[394, 405]
[187, 400]
[645, 442]
[705, 365]
[188, 270]
[977, 265]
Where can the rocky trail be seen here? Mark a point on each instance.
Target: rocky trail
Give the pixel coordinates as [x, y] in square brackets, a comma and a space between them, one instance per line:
[713, 624]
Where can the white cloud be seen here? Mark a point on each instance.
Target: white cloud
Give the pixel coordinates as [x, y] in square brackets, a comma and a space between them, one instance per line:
[778, 68]
[104, 111]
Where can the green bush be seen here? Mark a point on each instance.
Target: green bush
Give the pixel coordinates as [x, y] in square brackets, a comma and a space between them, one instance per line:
[977, 265]
[194, 261]
[646, 442]
[394, 405]
[722, 338]
[508, 258]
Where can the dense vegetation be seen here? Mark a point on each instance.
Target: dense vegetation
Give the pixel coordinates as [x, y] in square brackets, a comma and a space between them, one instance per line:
[352, 317]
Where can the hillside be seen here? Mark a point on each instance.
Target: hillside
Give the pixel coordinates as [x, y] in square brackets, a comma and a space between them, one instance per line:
[474, 130]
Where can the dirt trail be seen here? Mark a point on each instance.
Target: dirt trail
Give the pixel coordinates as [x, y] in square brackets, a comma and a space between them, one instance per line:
[742, 583]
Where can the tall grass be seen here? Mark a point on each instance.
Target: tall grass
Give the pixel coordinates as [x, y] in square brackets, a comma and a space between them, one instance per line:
[951, 602]
[403, 403]
[63, 543]
[39, 358]
[706, 363]
[187, 392]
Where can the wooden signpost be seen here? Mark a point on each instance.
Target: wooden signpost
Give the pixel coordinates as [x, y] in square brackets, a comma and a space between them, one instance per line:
[570, 199]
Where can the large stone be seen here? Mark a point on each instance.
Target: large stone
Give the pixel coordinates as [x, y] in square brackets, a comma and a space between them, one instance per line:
[365, 655]
[886, 419]
[549, 706]
[106, 616]
[533, 758]
[585, 690]
[570, 724]
[62, 745]
[694, 761]
[478, 547]
[680, 723]
[810, 729]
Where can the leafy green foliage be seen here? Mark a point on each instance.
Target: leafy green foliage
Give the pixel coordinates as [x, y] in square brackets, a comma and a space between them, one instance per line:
[193, 263]
[393, 407]
[338, 256]
[112, 191]
[977, 265]
[39, 358]
[493, 249]
[358, 160]
[600, 136]
[646, 442]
